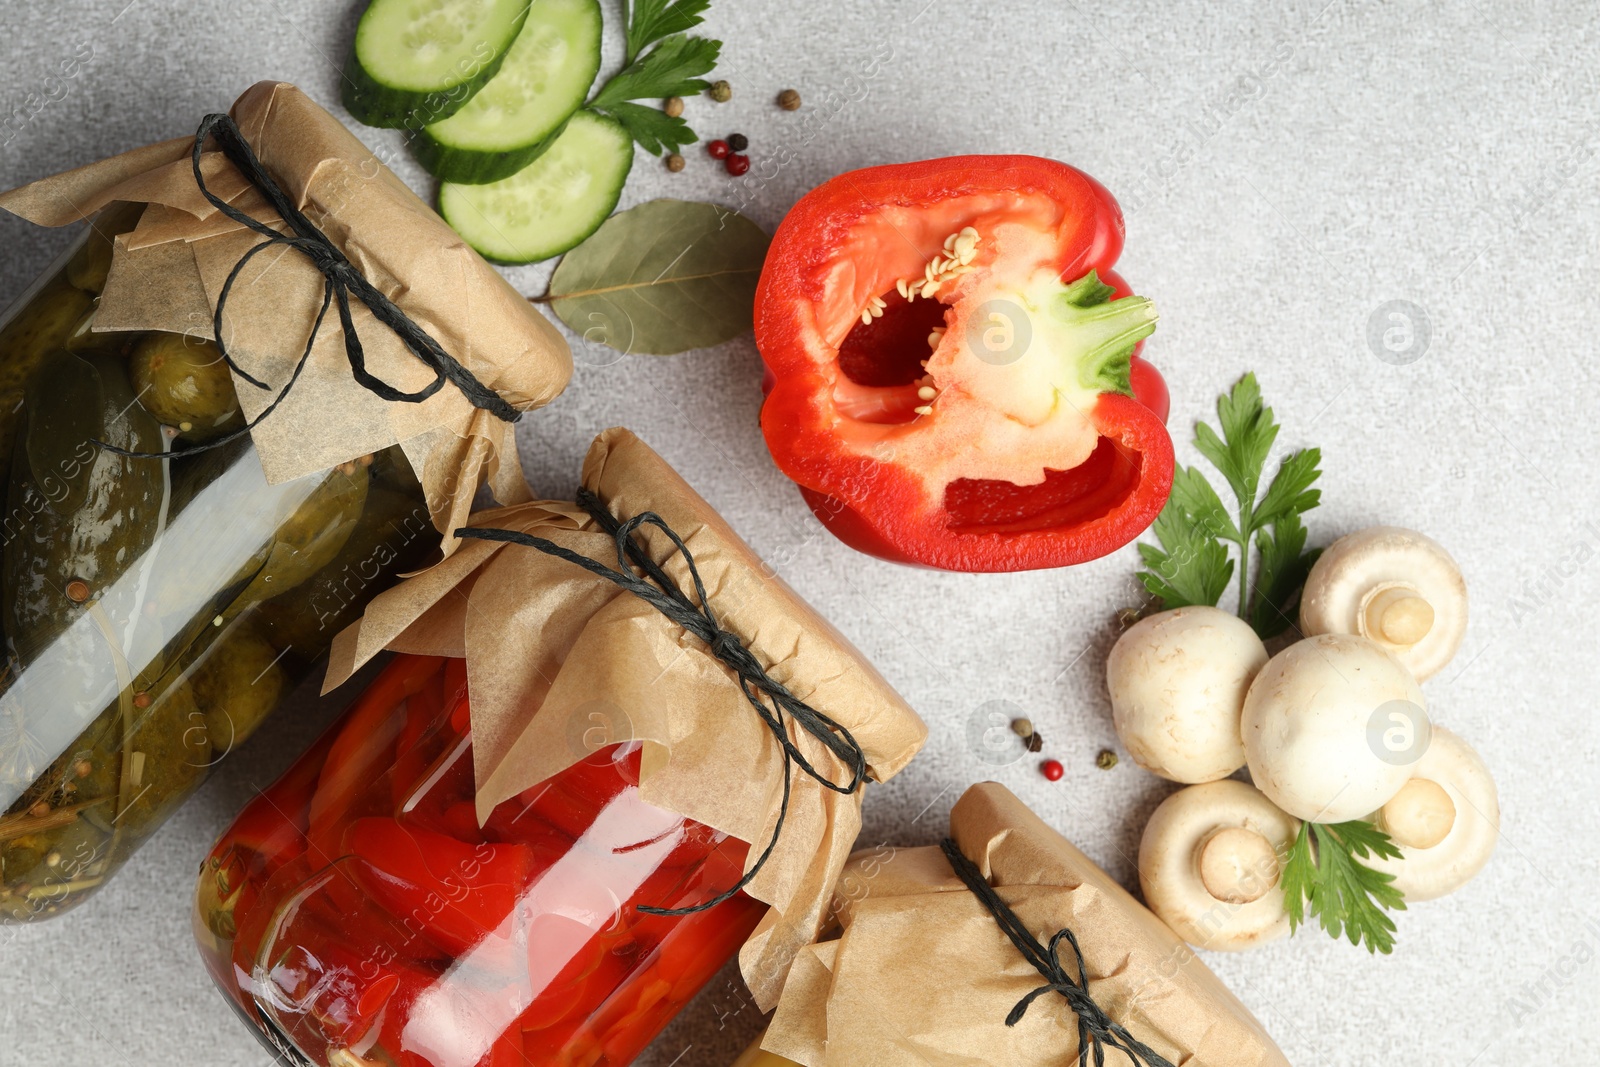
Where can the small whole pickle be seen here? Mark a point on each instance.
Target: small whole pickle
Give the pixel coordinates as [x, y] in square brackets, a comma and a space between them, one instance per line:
[311, 536]
[280, 536]
[78, 517]
[394, 533]
[42, 325]
[236, 684]
[157, 761]
[38, 330]
[184, 383]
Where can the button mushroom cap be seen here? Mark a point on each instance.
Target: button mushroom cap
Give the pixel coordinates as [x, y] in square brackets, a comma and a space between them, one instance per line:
[1446, 820]
[1395, 587]
[1177, 683]
[1209, 867]
[1333, 726]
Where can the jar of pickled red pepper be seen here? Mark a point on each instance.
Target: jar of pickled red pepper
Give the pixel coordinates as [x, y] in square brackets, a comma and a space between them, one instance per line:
[357, 913]
[154, 610]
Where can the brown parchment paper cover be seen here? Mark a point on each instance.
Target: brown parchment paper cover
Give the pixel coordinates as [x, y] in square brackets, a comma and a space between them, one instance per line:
[921, 975]
[166, 275]
[560, 661]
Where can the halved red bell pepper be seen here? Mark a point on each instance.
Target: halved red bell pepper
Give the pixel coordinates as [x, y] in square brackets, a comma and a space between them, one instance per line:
[953, 365]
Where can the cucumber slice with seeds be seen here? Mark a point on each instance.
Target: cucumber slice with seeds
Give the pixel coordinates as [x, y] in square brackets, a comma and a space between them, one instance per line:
[551, 205]
[521, 112]
[417, 62]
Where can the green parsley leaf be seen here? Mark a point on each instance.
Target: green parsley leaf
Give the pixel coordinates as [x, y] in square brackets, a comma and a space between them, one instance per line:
[1280, 575]
[1328, 881]
[654, 130]
[1189, 568]
[1290, 492]
[651, 20]
[1248, 432]
[1200, 506]
[671, 68]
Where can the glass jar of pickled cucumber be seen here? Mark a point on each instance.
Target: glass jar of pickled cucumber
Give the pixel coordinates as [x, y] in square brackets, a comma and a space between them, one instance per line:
[357, 914]
[154, 610]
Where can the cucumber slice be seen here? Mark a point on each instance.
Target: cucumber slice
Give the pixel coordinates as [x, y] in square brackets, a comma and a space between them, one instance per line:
[415, 62]
[550, 205]
[522, 110]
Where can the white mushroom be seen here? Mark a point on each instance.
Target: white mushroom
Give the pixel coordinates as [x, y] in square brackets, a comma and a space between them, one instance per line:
[1177, 683]
[1446, 820]
[1209, 867]
[1393, 586]
[1333, 726]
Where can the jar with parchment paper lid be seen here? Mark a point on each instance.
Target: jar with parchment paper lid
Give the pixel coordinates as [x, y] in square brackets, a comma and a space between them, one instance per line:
[577, 791]
[188, 523]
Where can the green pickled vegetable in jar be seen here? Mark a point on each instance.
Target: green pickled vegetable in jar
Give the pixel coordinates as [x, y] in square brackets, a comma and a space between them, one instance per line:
[156, 607]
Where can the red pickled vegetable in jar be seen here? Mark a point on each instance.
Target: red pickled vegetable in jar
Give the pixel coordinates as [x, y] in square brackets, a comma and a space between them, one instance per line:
[358, 913]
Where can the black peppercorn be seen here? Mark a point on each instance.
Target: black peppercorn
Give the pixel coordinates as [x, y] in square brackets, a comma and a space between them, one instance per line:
[738, 142]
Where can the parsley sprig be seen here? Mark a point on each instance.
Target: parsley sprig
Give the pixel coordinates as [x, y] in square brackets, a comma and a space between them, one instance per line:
[673, 67]
[1328, 881]
[1193, 564]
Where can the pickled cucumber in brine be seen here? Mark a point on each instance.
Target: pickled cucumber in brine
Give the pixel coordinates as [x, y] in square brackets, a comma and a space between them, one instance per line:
[236, 684]
[394, 535]
[153, 608]
[40, 329]
[184, 382]
[48, 317]
[79, 517]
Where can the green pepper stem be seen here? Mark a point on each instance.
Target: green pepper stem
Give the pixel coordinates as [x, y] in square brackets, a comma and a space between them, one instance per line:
[1105, 334]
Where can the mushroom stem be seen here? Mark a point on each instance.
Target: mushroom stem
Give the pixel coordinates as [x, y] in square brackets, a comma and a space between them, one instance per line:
[1398, 616]
[1419, 816]
[1238, 866]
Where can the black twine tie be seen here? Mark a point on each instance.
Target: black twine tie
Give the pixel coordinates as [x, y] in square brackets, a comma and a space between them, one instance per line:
[341, 281]
[1096, 1029]
[658, 590]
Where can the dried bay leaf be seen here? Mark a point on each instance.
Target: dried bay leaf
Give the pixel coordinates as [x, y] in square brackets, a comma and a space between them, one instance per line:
[662, 278]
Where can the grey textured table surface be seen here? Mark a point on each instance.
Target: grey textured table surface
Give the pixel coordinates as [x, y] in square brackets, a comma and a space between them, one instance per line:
[1286, 172]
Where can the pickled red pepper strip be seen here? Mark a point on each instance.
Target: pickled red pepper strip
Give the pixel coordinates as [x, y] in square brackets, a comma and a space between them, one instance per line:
[473, 887]
[341, 281]
[1095, 1027]
[699, 619]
